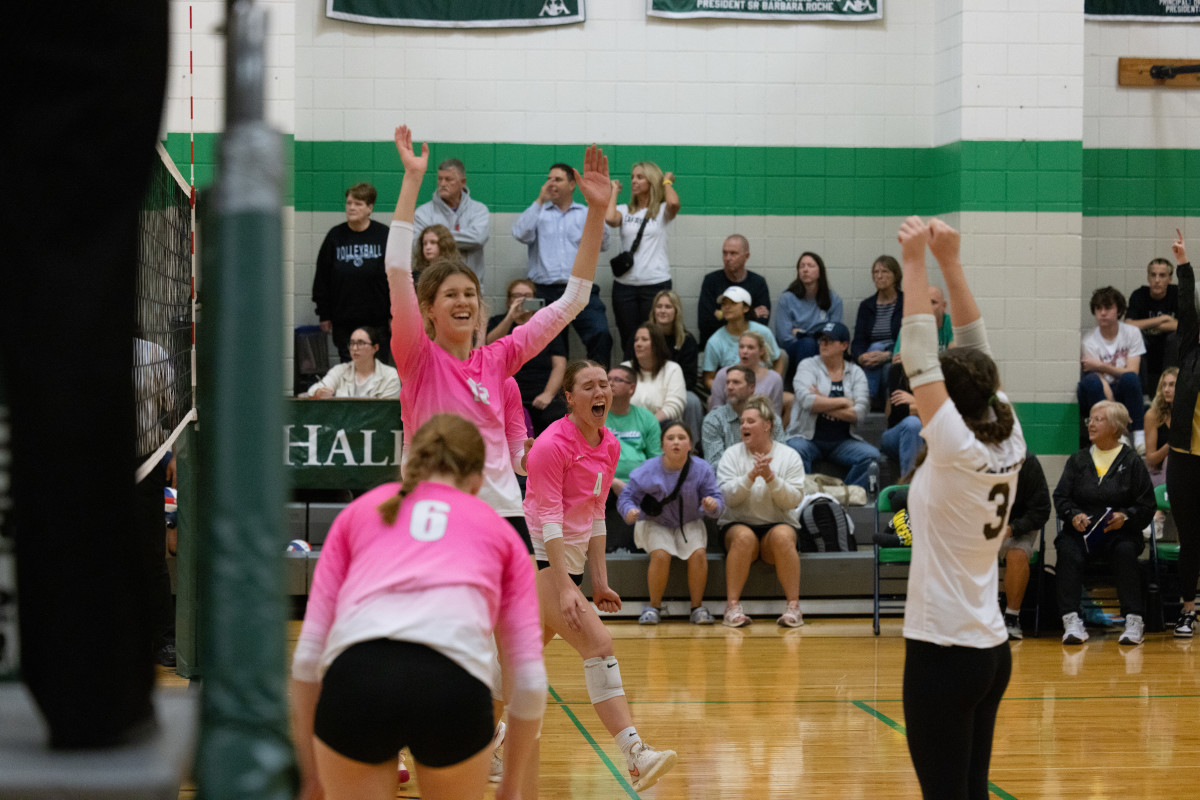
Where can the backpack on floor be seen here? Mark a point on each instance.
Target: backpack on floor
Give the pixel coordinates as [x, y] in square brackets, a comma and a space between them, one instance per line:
[824, 526]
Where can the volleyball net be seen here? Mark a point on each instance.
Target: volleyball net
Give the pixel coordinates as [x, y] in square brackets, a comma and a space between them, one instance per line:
[164, 346]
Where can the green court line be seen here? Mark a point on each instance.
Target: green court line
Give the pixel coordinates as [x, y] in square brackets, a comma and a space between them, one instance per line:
[896, 726]
[621, 779]
[565, 703]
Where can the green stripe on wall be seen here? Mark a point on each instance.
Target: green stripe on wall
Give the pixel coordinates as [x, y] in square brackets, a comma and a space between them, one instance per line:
[1050, 428]
[1141, 182]
[780, 181]
[178, 147]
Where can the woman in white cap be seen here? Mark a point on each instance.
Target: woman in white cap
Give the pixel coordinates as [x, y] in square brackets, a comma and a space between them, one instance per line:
[722, 347]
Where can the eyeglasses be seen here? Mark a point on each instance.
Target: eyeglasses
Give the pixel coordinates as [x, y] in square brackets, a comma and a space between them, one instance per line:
[617, 379]
[360, 343]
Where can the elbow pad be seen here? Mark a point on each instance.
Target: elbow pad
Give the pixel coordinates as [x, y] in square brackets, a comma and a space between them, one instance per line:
[972, 335]
[919, 349]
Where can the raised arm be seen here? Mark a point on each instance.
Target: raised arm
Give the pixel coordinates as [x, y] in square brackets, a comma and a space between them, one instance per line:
[919, 340]
[670, 196]
[944, 243]
[1189, 326]
[414, 173]
[597, 190]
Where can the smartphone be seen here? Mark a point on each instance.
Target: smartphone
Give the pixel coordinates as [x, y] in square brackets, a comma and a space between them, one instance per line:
[532, 304]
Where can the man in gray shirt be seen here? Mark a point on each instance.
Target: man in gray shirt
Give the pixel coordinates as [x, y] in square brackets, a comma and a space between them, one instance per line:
[468, 219]
[722, 426]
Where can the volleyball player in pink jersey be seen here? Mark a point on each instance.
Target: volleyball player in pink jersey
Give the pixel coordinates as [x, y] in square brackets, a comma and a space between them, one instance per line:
[395, 650]
[571, 468]
[448, 373]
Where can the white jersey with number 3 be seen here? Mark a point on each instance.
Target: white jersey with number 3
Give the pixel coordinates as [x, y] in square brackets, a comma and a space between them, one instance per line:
[958, 507]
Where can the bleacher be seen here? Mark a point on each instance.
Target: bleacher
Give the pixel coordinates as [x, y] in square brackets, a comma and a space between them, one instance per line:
[830, 583]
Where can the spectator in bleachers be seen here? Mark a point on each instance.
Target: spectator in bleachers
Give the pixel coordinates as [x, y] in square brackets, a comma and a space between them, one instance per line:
[1030, 511]
[666, 500]
[652, 206]
[660, 387]
[1104, 486]
[1111, 355]
[831, 397]
[667, 319]
[878, 326]
[1158, 426]
[540, 378]
[639, 434]
[365, 377]
[1152, 310]
[467, 219]
[735, 252]
[1184, 474]
[807, 303]
[762, 481]
[902, 439]
[722, 347]
[722, 427]
[552, 227]
[436, 241]
[350, 286]
[753, 354]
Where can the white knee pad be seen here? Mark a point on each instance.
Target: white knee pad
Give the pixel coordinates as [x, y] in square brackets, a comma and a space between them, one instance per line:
[603, 678]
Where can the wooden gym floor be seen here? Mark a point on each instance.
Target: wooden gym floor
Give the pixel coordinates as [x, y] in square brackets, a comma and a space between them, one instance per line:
[815, 713]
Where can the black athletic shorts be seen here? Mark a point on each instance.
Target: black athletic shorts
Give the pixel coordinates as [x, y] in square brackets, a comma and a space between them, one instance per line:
[541, 565]
[522, 530]
[380, 696]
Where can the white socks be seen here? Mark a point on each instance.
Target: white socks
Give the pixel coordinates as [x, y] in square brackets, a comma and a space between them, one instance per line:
[626, 740]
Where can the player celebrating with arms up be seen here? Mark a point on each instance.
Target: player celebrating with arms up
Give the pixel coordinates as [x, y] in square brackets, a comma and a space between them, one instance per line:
[957, 660]
[396, 646]
[571, 468]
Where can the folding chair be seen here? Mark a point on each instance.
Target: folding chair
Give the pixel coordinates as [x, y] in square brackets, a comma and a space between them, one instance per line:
[1162, 555]
[887, 555]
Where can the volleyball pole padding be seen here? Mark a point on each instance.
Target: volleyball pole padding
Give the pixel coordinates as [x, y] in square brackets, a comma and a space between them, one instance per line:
[245, 747]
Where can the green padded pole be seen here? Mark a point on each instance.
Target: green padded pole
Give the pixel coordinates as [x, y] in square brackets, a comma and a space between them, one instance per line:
[245, 748]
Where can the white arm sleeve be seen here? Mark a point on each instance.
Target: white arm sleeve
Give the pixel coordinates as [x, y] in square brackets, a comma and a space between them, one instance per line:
[516, 451]
[972, 335]
[919, 349]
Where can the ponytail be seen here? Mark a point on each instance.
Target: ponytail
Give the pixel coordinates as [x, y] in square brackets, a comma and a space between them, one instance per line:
[446, 443]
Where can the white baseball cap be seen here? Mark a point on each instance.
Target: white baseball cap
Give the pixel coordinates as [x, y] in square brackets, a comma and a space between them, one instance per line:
[738, 295]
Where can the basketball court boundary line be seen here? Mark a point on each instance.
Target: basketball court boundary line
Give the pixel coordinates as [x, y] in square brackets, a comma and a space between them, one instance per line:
[896, 726]
[621, 779]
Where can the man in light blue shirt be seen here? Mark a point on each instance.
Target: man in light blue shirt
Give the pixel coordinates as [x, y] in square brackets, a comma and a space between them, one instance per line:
[552, 227]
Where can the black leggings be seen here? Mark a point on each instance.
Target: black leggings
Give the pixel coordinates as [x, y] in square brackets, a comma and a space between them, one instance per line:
[951, 695]
[1183, 476]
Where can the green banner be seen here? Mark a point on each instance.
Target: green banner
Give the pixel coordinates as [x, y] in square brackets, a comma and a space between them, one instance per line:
[1144, 10]
[457, 13]
[794, 10]
[342, 444]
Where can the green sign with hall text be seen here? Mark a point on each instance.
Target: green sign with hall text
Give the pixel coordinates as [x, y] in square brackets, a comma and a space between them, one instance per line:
[342, 444]
[793, 10]
[457, 13]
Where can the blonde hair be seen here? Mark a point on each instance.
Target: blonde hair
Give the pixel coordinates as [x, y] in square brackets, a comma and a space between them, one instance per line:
[1159, 405]
[658, 193]
[677, 327]
[573, 370]
[762, 404]
[446, 443]
[762, 345]
[431, 281]
[1116, 414]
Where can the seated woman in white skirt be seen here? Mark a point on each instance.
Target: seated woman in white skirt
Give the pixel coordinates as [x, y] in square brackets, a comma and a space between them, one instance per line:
[666, 500]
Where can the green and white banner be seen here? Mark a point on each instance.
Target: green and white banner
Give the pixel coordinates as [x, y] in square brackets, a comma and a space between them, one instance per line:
[793, 10]
[457, 13]
[1143, 10]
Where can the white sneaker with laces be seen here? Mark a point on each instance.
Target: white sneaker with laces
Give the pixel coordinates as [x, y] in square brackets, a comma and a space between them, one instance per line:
[1013, 624]
[647, 765]
[735, 617]
[496, 774]
[791, 618]
[1135, 630]
[1073, 630]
